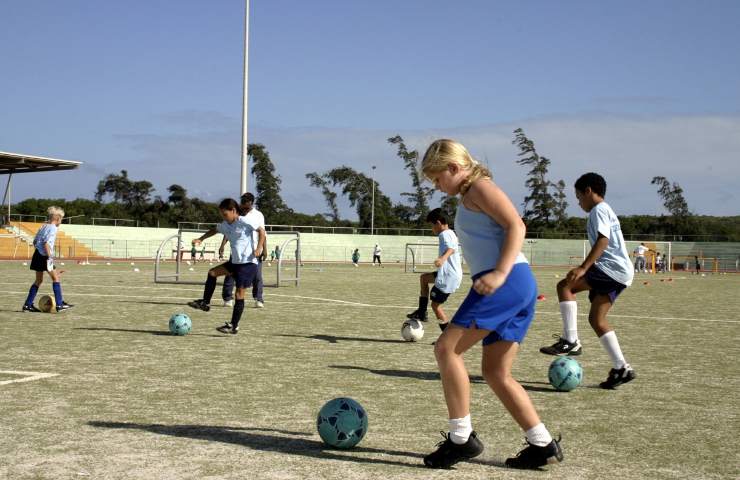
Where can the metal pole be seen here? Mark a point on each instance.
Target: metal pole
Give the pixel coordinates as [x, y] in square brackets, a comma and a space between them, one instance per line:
[243, 186]
[372, 210]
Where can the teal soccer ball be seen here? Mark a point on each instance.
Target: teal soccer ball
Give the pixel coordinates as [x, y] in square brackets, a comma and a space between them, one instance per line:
[180, 324]
[342, 423]
[565, 374]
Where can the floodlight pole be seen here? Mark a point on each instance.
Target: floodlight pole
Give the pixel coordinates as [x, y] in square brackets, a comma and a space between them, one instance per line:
[243, 186]
[372, 209]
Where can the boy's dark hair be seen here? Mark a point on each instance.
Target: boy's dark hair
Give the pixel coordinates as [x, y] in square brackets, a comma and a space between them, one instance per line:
[228, 204]
[593, 180]
[435, 216]
[247, 198]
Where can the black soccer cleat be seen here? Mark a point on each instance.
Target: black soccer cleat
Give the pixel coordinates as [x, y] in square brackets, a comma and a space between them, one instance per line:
[416, 315]
[30, 308]
[200, 305]
[63, 307]
[449, 453]
[534, 457]
[618, 377]
[228, 328]
[563, 347]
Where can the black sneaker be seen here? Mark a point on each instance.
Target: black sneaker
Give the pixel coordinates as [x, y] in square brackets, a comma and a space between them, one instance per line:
[534, 457]
[67, 304]
[64, 306]
[618, 377]
[415, 315]
[30, 308]
[200, 305]
[449, 453]
[228, 328]
[563, 347]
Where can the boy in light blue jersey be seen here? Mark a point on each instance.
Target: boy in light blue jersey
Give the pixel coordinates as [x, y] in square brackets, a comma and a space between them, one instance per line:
[606, 271]
[242, 265]
[447, 278]
[43, 261]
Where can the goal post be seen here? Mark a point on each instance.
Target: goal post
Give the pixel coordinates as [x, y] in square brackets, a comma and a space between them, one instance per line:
[652, 263]
[417, 254]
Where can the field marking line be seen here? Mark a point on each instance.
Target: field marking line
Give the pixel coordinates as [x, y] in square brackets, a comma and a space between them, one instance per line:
[27, 376]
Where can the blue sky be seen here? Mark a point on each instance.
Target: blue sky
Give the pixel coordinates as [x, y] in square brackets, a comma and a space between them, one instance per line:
[629, 89]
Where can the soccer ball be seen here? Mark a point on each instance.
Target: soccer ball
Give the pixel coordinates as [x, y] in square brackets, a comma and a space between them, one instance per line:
[565, 374]
[180, 324]
[342, 423]
[412, 330]
[47, 304]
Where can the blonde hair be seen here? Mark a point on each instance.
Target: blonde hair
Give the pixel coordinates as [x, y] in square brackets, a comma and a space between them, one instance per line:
[54, 212]
[441, 153]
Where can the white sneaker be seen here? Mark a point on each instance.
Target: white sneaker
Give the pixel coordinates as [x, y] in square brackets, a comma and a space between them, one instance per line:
[228, 303]
[258, 304]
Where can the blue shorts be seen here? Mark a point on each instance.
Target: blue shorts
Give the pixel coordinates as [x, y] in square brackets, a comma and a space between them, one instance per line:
[507, 313]
[602, 284]
[243, 274]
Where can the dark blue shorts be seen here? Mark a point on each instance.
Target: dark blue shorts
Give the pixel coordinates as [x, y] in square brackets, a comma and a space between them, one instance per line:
[602, 284]
[507, 313]
[38, 262]
[243, 274]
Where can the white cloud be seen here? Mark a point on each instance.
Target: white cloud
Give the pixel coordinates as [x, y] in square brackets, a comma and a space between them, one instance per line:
[699, 152]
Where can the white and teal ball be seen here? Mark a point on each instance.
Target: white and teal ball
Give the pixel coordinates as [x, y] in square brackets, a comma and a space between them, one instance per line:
[565, 374]
[180, 324]
[342, 422]
[412, 330]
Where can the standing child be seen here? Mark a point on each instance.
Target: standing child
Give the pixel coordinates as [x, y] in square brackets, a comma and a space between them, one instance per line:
[202, 253]
[193, 252]
[376, 255]
[697, 265]
[605, 272]
[498, 310]
[356, 257]
[447, 278]
[43, 261]
[242, 265]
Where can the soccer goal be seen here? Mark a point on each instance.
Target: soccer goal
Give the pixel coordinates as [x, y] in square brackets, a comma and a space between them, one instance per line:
[418, 255]
[653, 263]
[172, 265]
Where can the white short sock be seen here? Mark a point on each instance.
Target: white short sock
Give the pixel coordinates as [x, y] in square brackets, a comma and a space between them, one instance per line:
[460, 429]
[569, 312]
[611, 345]
[538, 435]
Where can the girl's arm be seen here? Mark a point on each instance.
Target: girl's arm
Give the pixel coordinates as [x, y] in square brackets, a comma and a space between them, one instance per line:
[492, 201]
[209, 233]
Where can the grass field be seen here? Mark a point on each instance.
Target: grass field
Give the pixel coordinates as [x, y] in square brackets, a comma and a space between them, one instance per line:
[130, 401]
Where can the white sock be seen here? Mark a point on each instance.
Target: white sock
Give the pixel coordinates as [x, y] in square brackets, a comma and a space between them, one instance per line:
[569, 312]
[460, 429]
[538, 435]
[611, 345]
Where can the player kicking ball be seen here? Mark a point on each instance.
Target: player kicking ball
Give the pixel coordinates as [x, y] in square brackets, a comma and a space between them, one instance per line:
[447, 278]
[242, 265]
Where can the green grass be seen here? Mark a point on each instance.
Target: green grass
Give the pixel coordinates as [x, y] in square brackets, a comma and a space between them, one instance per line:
[131, 401]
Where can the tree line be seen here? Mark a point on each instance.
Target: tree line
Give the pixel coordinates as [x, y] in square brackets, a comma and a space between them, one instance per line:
[544, 206]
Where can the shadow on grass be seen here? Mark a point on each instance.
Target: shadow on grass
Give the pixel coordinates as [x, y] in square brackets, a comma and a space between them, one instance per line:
[180, 304]
[254, 439]
[150, 332]
[335, 339]
[529, 386]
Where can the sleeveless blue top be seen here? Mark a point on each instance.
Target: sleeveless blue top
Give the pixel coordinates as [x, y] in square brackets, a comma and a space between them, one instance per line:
[481, 238]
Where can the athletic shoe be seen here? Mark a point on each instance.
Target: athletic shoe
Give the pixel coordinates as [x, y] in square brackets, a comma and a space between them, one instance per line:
[30, 308]
[449, 453]
[228, 303]
[258, 304]
[64, 306]
[415, 315]
[228, 328]
[534, 457]
[200, 305]
[618, 377]
[563, 347]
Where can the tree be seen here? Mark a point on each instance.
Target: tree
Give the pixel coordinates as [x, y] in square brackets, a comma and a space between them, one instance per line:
[672, 196]
[449, 207]
[421, 194]
[358, 188]
[268, 198]
[561, 205]
[539, 206]
[322, 182]
[178, 195]
[134, 195]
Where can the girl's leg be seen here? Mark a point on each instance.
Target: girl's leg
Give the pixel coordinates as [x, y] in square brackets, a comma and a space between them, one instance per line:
[210, 287]
[236, 314]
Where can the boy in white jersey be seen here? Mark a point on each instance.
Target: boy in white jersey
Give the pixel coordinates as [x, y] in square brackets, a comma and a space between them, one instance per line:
[242, 264]
[606, 271]
[447, 278]
[43, 261]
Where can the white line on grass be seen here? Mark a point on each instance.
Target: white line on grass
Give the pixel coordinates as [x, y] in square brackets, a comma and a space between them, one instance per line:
[27, 376]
